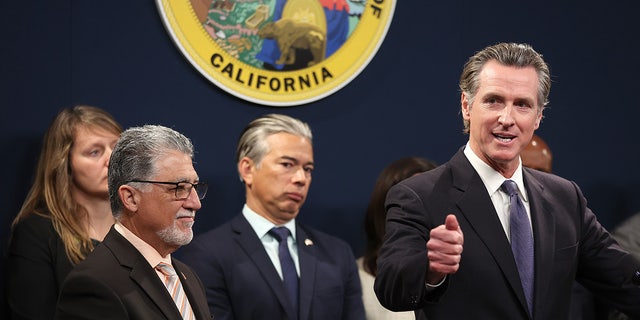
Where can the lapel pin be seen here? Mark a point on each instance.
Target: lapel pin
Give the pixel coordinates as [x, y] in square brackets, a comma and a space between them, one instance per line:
[308, 242]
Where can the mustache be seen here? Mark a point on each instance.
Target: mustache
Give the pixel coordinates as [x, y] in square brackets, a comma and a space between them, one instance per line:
[186, 214]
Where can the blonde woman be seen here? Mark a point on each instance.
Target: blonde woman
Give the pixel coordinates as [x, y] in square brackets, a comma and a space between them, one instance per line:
[66, 212]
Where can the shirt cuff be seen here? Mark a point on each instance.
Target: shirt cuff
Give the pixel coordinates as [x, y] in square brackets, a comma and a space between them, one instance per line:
[431, 287]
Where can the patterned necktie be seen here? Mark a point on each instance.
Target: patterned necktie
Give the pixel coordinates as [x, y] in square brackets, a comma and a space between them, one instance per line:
[289, 274]
[521, 239]
[172, 282]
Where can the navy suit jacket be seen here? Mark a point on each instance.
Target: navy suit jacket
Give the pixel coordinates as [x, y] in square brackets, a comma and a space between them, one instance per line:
[116, 282]
[569, 244]
[242, 283]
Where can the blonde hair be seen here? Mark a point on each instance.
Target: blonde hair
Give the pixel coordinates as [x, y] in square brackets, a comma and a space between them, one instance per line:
[50, 195]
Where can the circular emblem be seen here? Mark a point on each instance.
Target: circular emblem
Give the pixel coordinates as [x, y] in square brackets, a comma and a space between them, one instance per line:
[278, 52]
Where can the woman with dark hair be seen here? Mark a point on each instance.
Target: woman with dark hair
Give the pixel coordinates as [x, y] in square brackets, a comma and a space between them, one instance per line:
[374, 227]
[66, 212]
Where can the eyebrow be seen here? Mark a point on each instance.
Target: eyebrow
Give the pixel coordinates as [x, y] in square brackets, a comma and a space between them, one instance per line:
[197, 179]
[527, 100]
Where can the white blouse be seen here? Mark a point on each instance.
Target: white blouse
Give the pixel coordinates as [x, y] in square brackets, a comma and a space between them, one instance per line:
[372, 307]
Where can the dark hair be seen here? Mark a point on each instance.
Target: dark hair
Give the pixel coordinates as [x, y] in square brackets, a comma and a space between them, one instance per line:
[519, 55]
[374, 221]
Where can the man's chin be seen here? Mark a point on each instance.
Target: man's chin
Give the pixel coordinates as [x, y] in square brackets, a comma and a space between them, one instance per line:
[187, 224]
[177, 236]
[505, 155]
[293, 211]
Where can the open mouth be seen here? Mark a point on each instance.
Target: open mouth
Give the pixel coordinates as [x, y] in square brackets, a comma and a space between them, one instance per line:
[504, 138]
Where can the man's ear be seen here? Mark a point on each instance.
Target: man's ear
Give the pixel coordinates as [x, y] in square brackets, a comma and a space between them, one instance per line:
[465, 108]
[245, 168]
[130, 197]
[538, 120]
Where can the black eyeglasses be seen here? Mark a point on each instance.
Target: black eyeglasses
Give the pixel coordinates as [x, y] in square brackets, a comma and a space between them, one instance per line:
[183, 188]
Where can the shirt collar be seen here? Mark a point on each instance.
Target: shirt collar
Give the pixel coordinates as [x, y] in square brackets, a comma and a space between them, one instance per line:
[262, 226]
[148, 252]
[491, 178]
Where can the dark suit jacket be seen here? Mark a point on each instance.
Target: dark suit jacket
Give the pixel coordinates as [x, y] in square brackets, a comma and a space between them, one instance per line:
[116, 282]
[36, 267]
[242, 283]
[569, 244]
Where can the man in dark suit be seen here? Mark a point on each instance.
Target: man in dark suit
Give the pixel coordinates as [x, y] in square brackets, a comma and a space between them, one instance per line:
[154, 193]
[242, 263]
[503, 273]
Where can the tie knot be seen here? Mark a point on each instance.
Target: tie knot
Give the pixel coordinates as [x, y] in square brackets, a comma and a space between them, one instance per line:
[280, 233]
[166, 269]
[510, 187]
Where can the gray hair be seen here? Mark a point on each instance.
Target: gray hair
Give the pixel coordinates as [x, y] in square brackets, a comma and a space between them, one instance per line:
[508, 54]
[136, 154]
[253, 144]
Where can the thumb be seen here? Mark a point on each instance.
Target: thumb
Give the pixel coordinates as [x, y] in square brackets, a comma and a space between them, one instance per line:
[451, 223]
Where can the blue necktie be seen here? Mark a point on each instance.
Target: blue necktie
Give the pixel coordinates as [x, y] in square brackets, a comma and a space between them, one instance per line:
[289, 274]
[521, 239]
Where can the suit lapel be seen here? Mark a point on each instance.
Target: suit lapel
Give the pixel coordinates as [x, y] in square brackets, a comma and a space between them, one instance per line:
[307, 259]
[141, 273]
[247, 239]
[189, 284]
[476, 206]
[544, 234]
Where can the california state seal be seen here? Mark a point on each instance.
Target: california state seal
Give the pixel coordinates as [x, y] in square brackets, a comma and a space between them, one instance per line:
[278, 52]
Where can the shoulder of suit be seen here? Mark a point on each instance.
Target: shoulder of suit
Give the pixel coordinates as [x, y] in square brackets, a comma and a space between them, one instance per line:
[35, 221]
[551, 184]
[424, 181]
[547, 178]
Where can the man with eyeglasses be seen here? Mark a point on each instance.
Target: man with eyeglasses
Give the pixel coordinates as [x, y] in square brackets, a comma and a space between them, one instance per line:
[154, 192]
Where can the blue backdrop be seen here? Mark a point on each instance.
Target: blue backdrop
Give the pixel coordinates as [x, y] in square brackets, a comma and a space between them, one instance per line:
[117, 55]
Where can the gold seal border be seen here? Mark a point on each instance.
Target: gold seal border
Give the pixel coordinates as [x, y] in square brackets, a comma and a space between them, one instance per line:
[293, 87]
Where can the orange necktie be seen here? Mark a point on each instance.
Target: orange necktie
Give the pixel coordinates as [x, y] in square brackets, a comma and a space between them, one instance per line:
[172, 282]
